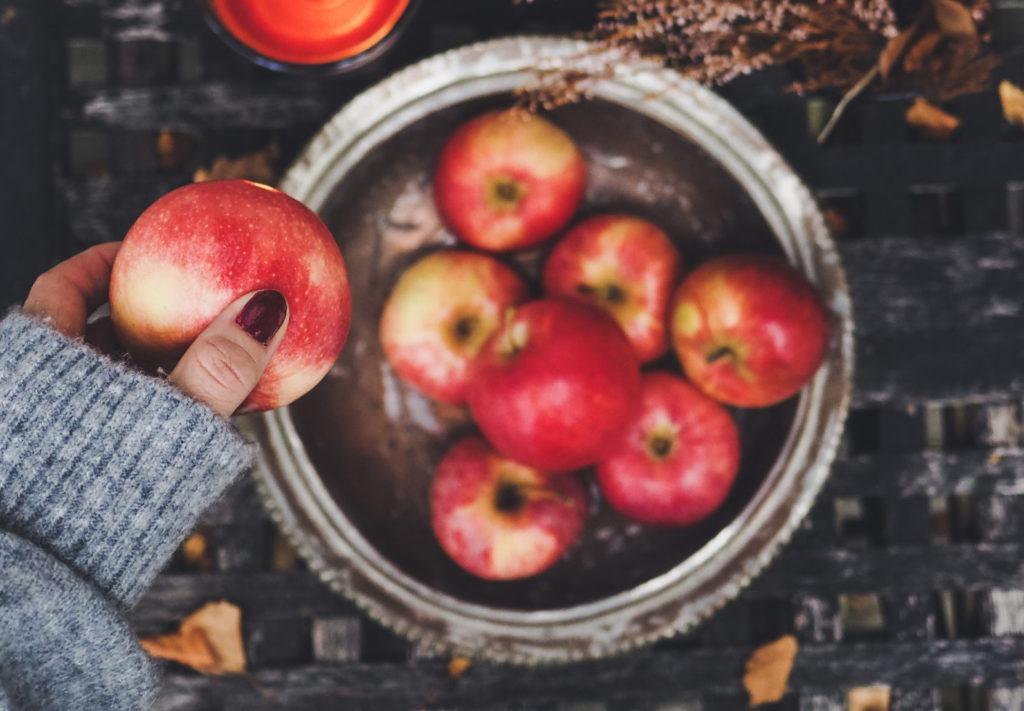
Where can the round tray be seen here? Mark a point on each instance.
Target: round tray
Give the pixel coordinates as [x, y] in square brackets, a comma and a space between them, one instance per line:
[346, 470]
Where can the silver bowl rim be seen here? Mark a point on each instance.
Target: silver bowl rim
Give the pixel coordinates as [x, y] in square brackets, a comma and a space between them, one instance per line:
[441, 623]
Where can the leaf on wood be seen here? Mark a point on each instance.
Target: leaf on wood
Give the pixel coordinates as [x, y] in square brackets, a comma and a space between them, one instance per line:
[767, 670]
[930, 120]
[954, 19]
[869, 698]
[209, 641]
[458, 666]
[260, 167]
[195, 551]
[173, 150]
[836, 222]
[893, 52]
[1012, 98]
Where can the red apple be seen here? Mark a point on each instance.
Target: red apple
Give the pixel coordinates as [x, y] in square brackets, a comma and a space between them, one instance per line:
[198, 248]
[556, 385]
[440, 313]
[624, 265]
[499, 519]
[750, 330]
[508, 180]
[678, 459]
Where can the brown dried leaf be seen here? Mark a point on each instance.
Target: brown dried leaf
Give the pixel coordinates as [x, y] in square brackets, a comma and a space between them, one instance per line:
[915, 57]
[767, 670]
[458, 666]
[209, 640]
[1012, 98]
[894, 50]
[869, 698]
[259, 167]
[195, 551]
[954, 19]
[930, 120]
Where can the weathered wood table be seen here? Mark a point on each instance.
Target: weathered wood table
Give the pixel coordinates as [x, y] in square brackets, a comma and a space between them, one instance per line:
[908, 573]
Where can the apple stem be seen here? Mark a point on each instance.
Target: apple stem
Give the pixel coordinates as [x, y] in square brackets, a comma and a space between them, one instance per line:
[718, 354]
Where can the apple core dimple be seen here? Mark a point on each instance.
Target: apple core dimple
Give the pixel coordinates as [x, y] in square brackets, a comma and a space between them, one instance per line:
[509, 498]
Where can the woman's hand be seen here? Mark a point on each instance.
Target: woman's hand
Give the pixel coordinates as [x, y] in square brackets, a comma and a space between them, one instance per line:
[219, 369]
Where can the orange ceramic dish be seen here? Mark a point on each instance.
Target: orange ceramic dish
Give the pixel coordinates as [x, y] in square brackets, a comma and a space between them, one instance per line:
[309, 32]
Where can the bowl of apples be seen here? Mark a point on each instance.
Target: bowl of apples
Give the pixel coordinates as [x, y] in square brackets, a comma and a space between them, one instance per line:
[599, 364]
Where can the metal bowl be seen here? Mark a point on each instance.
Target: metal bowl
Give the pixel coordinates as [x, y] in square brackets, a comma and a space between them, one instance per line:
[346, 470]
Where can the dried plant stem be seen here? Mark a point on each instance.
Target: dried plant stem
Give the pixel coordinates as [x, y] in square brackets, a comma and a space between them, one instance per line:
[848, 97]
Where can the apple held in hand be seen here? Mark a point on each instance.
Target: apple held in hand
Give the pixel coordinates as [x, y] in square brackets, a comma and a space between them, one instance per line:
[508, 180]
[198, 248]
[440, 313]
[679, 458]
[749, 330]
[499, 519]
[556, 385]
[624, 265]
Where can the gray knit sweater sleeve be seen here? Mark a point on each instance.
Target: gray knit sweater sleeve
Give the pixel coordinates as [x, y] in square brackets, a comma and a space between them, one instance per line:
[102, 472]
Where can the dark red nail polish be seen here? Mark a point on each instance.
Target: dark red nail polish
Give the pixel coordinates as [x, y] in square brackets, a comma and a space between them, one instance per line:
[263, 315]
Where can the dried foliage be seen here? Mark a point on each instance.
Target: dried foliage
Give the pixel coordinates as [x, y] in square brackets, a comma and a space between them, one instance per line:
[930, 120]
[1012, 98]
[830, 44]
[209, 641]
[259, 166]
[767, 670]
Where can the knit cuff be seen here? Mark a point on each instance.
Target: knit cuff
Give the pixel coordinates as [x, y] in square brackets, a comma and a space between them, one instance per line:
[106, 468]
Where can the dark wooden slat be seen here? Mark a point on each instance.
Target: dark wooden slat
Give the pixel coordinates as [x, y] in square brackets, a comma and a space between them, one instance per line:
[932, 473]
[274, 103]
[937, 324]
[651, 676]
[892, 570]
[29, 241]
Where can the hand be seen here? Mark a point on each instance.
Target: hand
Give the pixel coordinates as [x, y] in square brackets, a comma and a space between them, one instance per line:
[219, 369]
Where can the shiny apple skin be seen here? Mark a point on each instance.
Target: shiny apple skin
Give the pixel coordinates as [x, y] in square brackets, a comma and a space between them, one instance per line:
[498, 542]
[678, 460]
[440, 313]
[200, 247]
[508, 180]
[556, 385]
[749, 330]
[624, 265]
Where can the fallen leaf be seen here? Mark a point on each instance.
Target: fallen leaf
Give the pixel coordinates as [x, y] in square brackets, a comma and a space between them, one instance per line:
[173, 150]
[458, 666]
[930, 120]
[893, 51]
[209, 640]
[259, 166]
[767, 670]
[954, 19]
[868, 698]
[1012, 98]
[835, 222]
[195, 551]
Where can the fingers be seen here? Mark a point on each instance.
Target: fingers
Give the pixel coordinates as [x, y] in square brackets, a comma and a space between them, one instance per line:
[228, 359]
[68, 293]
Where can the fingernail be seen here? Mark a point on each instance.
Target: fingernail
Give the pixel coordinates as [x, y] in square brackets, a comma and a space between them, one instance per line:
[262, 317]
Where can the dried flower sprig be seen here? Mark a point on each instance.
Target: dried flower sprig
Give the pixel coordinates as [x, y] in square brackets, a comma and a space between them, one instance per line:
[847, 45]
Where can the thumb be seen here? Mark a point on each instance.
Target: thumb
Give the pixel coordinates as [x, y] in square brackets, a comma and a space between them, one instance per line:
[226, 362]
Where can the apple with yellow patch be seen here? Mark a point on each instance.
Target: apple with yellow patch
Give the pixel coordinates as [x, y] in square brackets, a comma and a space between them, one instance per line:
[440, 313]
[501, 520]
[624, 265]
[750, 330]
[200, 247]
[508, 180]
